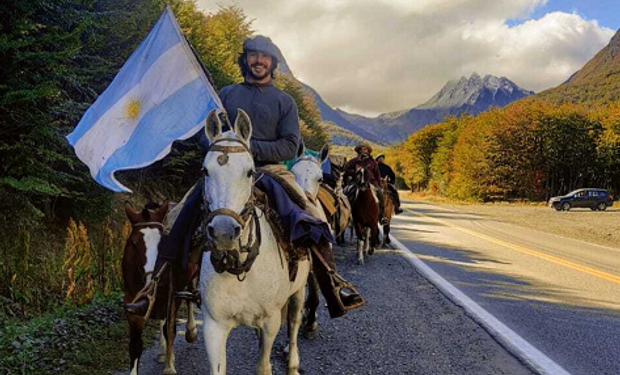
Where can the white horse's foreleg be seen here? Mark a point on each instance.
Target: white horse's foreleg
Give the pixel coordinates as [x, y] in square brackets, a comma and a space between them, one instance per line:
[366, 240]
[191, 332]
[215, 336]
[161, 354]
[269, 330]
[360, 251]
[295, 306]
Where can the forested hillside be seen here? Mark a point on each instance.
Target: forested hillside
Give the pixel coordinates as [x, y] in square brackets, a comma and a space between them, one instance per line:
[529, 150]
[62, 231]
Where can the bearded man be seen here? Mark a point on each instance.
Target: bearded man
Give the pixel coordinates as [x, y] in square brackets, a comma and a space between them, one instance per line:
[275, 139]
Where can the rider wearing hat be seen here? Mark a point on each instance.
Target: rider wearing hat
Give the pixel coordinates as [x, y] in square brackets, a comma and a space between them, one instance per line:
[275, 139]
[364, 159]
[386, 171]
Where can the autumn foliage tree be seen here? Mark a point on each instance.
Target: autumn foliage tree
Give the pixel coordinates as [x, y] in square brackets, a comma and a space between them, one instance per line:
[529, 150]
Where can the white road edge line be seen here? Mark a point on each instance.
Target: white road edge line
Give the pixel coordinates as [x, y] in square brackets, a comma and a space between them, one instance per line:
[531, 356]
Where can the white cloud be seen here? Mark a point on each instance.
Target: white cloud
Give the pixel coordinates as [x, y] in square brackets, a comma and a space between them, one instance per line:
[374, 56]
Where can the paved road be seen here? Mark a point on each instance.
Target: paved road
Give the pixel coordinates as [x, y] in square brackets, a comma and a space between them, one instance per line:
[406, 327]
[561, 295]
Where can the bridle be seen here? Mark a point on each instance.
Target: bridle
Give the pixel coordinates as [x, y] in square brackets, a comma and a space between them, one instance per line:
[148, 224]
[228, 260]
[159, 226]
[365, 184]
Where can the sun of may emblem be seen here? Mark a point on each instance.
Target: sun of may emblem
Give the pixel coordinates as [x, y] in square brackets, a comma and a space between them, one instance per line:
[133, 108]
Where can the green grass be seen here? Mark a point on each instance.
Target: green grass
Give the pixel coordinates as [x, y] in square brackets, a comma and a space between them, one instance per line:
[70, 341]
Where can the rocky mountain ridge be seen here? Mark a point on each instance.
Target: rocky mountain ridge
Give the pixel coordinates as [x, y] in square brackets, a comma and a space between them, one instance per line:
[467, 95]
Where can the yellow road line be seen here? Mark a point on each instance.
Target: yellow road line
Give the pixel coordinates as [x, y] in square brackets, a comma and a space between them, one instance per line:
[534, 253]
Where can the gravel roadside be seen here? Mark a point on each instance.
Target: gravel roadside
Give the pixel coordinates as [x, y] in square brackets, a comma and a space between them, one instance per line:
[406, 327]
[597, 227]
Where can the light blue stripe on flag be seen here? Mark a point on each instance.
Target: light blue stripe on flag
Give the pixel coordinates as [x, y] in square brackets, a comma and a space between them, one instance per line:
[160, 95]
[151, 135]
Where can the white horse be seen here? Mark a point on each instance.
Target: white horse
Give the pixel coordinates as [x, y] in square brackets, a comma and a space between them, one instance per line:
[309, 175]
[260, 296]
[308, 172]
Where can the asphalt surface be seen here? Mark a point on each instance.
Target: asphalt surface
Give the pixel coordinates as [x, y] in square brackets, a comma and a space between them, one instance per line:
[406, 327]
[561, 295]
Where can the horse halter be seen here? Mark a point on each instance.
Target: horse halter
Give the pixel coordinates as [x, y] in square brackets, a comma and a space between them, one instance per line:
[149, 223]
[221, 260]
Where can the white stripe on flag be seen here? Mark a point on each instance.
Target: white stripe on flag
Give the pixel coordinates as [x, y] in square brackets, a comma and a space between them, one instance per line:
[172, 71]
[161, 155]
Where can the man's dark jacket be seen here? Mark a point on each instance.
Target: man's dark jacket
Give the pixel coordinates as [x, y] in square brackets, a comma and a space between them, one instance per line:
[275, 125]
[386, 170]
[367, 162]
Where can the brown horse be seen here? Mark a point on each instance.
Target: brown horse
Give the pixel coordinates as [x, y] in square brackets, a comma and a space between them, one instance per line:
[138, 264]
[388, 210]
[365, 209]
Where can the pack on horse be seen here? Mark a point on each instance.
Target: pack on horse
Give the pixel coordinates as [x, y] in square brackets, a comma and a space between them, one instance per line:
[388, 211]
[246, 279]
[365, 209]
[138, 263]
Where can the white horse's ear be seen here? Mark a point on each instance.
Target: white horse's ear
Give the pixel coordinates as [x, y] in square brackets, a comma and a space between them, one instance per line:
[301, 148]
[243, 125]
[213, 127]
[324, 153]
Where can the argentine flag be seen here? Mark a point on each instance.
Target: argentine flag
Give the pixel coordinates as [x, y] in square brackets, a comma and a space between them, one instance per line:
[160, 95]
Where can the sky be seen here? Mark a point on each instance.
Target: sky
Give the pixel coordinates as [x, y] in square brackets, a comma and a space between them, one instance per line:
[378, 56]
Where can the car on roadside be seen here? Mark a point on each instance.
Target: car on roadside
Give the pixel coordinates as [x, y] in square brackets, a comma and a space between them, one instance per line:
[594, 199]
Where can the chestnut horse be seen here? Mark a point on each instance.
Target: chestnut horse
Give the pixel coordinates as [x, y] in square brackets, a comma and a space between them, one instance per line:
[365, 207]
[138, 264]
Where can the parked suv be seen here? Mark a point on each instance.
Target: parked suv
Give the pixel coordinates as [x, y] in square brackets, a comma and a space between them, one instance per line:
[595, 199]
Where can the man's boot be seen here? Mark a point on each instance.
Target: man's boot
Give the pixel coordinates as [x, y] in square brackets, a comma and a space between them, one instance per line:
[340, 295]
[396, 200]
[145, 298]
[138, 308]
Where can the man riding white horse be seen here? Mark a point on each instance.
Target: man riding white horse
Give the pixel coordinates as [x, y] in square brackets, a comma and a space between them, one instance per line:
[275, 139]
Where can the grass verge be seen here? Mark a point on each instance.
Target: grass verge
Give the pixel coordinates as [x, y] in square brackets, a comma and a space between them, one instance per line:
[89, 340]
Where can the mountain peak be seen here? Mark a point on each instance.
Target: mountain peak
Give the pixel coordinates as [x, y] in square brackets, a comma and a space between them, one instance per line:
[476, 92]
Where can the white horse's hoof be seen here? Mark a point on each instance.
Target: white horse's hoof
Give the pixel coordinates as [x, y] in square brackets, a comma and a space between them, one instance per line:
[292, 372]
[191, 335]
[170, 371]
[360, 261]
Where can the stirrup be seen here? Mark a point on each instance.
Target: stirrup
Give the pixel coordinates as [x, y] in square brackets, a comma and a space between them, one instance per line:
[343, 284]
[150, 291]
[191, 296]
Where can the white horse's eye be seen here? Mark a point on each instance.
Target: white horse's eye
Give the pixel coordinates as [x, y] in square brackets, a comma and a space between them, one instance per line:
[205, 172]
[250, 173]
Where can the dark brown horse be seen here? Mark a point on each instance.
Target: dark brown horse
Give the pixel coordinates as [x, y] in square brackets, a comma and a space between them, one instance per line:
[365, 208]
[138, 264]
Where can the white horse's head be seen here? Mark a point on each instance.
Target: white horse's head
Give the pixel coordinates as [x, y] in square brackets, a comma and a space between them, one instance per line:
[228, 171]
[307, 170]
